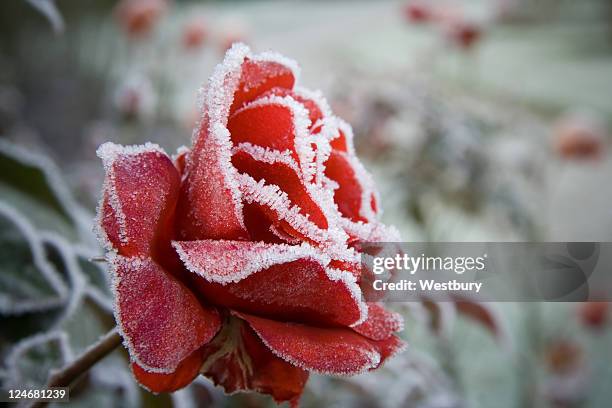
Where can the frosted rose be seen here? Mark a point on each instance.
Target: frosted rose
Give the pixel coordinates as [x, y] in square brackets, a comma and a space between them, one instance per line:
[237, 261]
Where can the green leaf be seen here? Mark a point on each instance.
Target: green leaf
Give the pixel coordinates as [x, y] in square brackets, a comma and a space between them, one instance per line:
[28, 282]
[32, 183]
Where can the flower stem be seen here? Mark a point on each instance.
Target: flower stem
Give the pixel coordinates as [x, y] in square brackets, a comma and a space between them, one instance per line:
[66, 375]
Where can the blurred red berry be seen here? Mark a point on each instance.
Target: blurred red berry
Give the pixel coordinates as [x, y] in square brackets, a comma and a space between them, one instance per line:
[417, 12]
[194, 33]
[464, 34]
[594, 315]
[563, 356]
[138, 17]
[578, 137]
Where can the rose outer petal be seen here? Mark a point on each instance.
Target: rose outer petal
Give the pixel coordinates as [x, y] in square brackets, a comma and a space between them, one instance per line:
[139, 198]
[182, 376]
[276, 280]
[161, 321]
[336, 351]
[380, 324]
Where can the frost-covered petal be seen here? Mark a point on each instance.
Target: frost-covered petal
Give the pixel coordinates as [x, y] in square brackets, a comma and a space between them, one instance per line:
[315, 112]
[276, 280]
[323, 350]
[278, 123]
[161, 321]
[237, 360]
[356, 195]
[259, 76]
[287, 177]
[210, 180]
[349, 194]
[140, 192]
[388, 348]
[380, 324]
[183, 375]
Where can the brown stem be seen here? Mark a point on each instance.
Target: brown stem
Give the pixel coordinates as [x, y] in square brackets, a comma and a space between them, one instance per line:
[66, 375]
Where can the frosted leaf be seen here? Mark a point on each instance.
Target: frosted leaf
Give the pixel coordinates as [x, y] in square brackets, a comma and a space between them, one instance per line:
[31, 360]
[232, 261]
[49, 9]
[32, 183]
[29, 281]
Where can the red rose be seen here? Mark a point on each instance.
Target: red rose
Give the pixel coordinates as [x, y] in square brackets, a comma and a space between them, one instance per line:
[236, 261]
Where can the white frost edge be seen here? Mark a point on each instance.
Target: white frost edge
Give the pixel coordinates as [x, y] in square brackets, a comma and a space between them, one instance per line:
[275, 254]
[109, 153]
[16, 352]
[78, 214]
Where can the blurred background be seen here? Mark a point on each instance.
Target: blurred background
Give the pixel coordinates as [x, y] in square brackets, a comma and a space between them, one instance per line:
[481, 120]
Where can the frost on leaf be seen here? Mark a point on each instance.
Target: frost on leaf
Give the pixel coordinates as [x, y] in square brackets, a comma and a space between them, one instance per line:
[32, 183]
[29, 282]
[31, 360]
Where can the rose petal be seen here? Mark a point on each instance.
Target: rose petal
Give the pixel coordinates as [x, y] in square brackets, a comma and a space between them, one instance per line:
[388, 348]
[140, 193]
[210, 185]
[210, 178]
[349, 195]
[380, 324]
[276, 280]
[237, 360]
[182, 376]
[266, 124]
[286, 177]
[323, 350]
[340, 143]
[257, 77]
[314, 111]
[161, 321]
